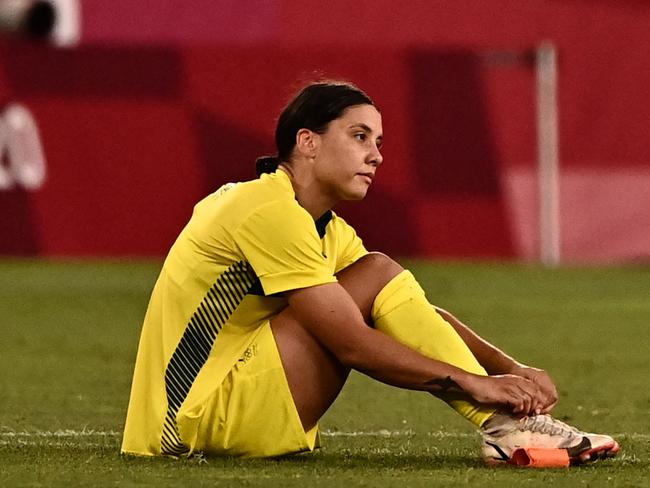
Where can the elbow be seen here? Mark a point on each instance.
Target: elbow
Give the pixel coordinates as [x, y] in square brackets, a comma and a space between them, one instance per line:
[351, 357]
[360, 351]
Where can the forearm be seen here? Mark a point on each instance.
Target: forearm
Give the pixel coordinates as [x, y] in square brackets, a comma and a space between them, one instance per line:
[385, 359]
[497, 362]
[331, 316]
[493, 359]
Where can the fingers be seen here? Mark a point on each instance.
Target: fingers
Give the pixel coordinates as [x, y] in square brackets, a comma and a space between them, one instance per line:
[546, 385]
[519, 395]
[525, 399]
[549, 396]
[528, 398]
[543, 379]
[550, 407]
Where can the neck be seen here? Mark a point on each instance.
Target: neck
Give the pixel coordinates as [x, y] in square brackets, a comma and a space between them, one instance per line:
[309, 194]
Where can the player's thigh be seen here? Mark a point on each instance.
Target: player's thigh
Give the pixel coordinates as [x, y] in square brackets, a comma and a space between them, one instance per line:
[252, 413]
[314, 375]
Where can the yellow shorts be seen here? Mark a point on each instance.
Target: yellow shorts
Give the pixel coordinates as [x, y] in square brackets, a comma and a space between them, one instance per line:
[252, 414]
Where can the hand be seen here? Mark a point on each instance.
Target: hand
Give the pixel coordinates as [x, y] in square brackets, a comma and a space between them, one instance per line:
[508, 392]
[542, 379]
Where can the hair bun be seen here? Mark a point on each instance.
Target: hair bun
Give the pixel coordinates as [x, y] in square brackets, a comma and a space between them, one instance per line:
[266, 164]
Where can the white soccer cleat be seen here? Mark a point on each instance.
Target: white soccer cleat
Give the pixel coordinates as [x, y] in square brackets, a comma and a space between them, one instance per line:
[541, 441]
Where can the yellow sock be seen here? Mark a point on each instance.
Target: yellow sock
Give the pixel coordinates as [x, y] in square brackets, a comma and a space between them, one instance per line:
[402, 311]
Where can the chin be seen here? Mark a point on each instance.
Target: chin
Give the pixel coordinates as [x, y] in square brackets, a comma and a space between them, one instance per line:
[356, 196]
[354, 192]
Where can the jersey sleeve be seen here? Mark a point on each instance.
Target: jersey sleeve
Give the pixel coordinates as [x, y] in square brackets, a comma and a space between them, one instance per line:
[350, 246]
[280, 241]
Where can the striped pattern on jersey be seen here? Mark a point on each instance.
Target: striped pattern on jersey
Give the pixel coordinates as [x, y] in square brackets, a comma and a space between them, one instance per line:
[219, 303]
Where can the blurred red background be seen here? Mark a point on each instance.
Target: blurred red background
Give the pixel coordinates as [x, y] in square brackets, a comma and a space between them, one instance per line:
[164, 101]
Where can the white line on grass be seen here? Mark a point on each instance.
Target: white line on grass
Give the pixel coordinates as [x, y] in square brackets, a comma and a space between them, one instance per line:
[45, 443]
[60, 433]
[6, 434]
[393, 433]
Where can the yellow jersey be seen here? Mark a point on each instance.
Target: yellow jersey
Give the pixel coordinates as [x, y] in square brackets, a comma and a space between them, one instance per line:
[244, 245]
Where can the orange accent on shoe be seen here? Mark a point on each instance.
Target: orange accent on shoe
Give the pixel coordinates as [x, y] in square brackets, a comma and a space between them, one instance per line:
[540, 458]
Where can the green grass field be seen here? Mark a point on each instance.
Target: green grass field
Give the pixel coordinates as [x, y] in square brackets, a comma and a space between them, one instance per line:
[68, 336]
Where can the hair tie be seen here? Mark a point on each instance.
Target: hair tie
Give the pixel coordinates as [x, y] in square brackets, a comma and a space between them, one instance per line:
[266, 164]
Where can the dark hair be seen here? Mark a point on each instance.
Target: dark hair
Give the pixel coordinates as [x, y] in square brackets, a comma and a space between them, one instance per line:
[313, 108]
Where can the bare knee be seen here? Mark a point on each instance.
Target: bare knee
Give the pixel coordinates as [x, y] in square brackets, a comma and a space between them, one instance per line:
[366, 277]
[375, 268]
[385, 267]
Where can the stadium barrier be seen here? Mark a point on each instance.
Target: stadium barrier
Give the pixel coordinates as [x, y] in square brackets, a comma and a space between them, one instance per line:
[132, 137]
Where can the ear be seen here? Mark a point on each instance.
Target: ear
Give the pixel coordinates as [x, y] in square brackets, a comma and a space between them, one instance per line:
[306, 141]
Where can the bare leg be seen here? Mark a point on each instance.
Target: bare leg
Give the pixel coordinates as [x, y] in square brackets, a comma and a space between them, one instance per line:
[314, 375]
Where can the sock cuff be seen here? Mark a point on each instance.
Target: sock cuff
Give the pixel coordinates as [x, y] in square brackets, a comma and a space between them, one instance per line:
[402, 288]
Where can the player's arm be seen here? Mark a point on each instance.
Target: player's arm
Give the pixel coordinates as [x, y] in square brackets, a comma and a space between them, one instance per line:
[331, 316]
[496, 362]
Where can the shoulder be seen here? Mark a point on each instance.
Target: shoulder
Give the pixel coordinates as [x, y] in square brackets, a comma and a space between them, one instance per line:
[339, 224]
[267, 205]
[274, 187]
[270, 195]
[233, 202]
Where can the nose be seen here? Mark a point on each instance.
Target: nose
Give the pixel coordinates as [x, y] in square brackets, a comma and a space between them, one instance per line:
[375, 156]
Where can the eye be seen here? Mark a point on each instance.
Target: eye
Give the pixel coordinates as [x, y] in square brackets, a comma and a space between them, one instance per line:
[360, 136]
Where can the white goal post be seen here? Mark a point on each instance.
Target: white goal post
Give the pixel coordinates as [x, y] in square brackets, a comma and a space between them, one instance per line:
[548, 159]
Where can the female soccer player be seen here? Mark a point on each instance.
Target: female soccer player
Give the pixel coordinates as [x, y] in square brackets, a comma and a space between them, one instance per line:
[268, 299]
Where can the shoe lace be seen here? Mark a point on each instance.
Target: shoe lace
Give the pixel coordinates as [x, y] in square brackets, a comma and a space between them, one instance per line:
[545, 424]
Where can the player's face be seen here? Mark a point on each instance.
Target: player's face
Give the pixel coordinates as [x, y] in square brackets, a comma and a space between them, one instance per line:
[347, 155]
